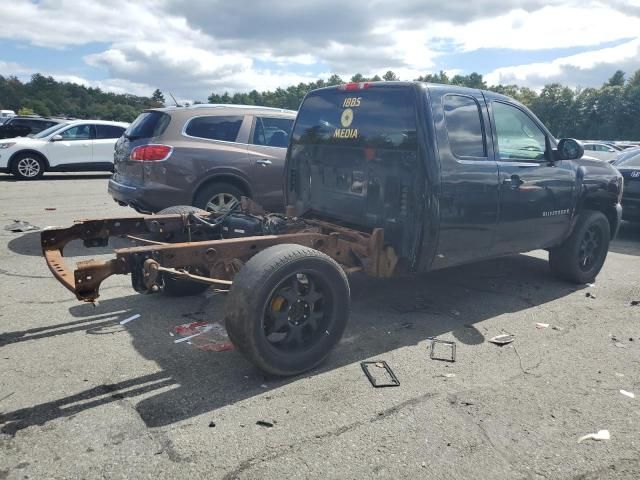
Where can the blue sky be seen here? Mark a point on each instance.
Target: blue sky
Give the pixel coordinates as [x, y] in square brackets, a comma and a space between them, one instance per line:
[197, 47]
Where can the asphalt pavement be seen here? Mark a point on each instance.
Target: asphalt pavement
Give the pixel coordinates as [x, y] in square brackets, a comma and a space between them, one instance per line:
[84, 396]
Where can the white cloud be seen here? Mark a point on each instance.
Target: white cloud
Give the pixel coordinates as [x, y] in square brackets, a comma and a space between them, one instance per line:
[192, 48]
[584, 69]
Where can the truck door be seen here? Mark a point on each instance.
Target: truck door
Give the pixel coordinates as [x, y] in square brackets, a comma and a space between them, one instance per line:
[536, 195]
[469, 177]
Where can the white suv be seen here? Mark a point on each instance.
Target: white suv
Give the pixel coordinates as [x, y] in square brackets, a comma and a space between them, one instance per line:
[74, 146]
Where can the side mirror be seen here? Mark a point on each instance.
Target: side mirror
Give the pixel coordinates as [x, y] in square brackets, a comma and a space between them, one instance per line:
[57, 138]
[569, 149]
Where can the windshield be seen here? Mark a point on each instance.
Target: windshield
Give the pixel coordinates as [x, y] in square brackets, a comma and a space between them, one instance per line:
[632, 161]
[148, 124]
[49, 131]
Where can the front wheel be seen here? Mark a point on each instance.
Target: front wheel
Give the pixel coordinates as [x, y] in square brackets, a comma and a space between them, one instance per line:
[28, 166]
[581, 256]
[287, 308]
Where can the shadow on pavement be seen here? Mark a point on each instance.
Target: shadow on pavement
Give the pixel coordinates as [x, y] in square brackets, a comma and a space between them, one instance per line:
[54, 176]
[628, 240]
[385, 315]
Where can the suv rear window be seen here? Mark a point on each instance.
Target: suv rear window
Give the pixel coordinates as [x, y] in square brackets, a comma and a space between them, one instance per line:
[148, 125]
[380, 118]
[215, 127]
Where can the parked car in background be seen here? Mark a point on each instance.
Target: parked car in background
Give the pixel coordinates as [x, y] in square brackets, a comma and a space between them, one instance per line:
[208, 156]
[6, 115]
[23, 125]
[629, 167]
[601, 151]
[70, 146]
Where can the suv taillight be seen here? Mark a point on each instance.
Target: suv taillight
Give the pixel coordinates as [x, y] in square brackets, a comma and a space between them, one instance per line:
[354, 86]
[151, 153]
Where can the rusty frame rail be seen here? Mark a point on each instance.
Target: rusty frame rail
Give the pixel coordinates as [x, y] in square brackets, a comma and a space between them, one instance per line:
[354, 250]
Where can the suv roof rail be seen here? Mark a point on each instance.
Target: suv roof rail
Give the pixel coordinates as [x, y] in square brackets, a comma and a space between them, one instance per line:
[235, 105]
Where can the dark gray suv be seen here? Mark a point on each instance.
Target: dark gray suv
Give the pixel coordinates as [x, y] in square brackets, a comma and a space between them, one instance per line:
[204, 155]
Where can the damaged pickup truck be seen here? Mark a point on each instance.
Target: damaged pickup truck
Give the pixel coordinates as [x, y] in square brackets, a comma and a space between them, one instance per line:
[384, 178]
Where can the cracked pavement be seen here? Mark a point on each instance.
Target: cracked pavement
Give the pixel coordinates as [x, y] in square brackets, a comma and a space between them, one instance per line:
[82, 396]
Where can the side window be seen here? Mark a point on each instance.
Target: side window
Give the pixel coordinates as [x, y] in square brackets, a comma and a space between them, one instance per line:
[78, 132]
[589, 147]
[464, 126]
[519, 138]
[215, 128]
[273, 132]
[108, 132]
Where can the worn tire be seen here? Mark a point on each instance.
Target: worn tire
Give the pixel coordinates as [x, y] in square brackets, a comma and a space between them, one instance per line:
[565, 260]
[174, 286]
[34, 161]
[255, 288]
[206, 193]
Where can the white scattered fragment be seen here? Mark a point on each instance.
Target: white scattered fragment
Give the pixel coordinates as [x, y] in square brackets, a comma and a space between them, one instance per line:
[186, 339]
[601, 435]
[131, 318]
[590, 284]
[455, 312]
[503, 339]
[264, 385]
[619, 345]
[542, 325]
[448, 375]
[619, 374]
[628, 394]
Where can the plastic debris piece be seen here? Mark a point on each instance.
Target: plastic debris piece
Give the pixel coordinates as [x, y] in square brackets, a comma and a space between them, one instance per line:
[628, 394]
[455, 312]
[601, 435]
[376, 377]
[590, 284]
[212, 424]
[450, 346]
[50, 209]
[556, 327]
[619, 345]
[20, 226]
[503, 339]
[620, 375]
[204, 336]
[590, 295]
[131, 318]
[262, 423]
[635, 303]
[542, 325]
[448, 375]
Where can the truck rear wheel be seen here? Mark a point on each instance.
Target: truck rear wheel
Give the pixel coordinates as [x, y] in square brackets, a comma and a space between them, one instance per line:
[581, 256]
[174, 286]
[287, 308]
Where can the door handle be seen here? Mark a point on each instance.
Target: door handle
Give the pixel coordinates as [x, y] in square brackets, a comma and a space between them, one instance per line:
[514, 182]
[263, 162]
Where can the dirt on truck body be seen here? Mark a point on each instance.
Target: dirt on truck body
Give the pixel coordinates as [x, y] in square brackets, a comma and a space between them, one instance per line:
[383, 178]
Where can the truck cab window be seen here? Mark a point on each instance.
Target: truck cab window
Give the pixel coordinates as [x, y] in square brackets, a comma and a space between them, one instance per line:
[464, 126]
[519, 138]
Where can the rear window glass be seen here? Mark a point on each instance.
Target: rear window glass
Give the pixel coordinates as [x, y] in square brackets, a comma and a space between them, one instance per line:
[464, 127]
[148, 124]
[381, 118]
[223, 128]
[273, 132]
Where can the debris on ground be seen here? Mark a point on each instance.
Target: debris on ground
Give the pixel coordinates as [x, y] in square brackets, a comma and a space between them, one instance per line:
[502, 339]
[262, 423]
[556, 327]
[628, 394]
[620, 375]
[455, 312]
[590, 284]
[212, 424]
[380, 374]
[131, 318]
[446, 375]
[635, 303]
[450, 347]
[20, 226]
[590, 295]
[542, 325]
[204, 336]
[50, 209]
[601, 435]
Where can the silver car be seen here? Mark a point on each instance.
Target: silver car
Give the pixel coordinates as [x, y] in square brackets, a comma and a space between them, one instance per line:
[601, 151]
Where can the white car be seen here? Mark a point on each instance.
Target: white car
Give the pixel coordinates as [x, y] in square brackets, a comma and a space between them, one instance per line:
[601, 151]
[73, 146]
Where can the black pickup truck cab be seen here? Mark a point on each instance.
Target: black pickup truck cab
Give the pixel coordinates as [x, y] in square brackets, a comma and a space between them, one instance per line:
[452, 175]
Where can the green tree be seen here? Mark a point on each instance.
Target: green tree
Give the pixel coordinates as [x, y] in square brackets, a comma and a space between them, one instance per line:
[26, 111]
[157, 98]
[389, 76]
[617, 80]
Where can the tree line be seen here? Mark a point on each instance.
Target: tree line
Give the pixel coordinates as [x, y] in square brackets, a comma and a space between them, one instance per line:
[611, 111]
[48, 97]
